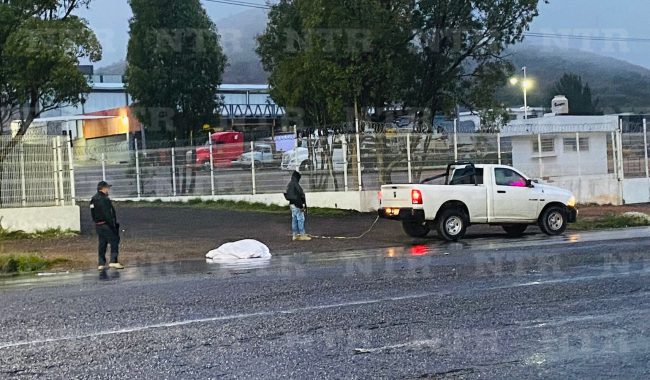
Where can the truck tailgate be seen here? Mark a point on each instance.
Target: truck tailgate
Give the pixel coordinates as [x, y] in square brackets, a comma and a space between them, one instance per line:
[396, 195]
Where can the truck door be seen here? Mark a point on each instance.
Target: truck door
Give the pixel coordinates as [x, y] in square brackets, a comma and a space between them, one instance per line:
[512, 200]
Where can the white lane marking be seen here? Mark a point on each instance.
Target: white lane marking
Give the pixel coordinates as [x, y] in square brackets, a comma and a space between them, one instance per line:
[570, 279]
[216, 319]
[299, 310]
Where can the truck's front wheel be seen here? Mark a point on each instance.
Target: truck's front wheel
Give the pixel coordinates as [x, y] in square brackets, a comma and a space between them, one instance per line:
[416, 229]
[452, 224]
[553, 221]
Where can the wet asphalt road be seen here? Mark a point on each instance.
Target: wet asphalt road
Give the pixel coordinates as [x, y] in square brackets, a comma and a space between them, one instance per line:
[572, 307]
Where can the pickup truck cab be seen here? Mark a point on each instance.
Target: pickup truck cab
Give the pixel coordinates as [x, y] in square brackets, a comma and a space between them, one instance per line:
[477, 194]
[262, 156]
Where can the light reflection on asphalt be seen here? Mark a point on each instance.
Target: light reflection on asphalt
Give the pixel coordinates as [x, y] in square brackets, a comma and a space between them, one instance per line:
[425, 248]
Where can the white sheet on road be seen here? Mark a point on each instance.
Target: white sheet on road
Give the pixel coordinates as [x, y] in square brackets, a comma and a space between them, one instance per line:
[239, 250]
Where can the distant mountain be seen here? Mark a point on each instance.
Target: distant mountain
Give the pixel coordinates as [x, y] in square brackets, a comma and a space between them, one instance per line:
[620, 86]
[117, 68]
[238, 38]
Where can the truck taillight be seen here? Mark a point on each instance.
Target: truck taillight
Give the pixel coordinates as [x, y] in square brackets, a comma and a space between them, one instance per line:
[416, 197]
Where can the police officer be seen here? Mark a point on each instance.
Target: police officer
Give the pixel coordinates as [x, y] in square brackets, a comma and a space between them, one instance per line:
[103, 214]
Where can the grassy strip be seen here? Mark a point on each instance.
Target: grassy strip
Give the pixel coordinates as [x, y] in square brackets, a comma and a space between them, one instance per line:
[610, 221]
[26, 263]
[239, 206]
[47, 234]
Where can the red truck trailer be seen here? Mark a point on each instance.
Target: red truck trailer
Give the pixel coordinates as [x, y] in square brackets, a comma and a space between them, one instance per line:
[226, 148]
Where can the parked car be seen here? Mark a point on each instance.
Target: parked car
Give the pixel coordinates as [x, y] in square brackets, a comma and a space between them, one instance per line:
[298, 159]
[262, 156]
[478, 194]
[226, 148]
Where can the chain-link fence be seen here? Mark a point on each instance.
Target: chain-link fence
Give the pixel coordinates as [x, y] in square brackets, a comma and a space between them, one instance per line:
[329, 161]
[37, 172]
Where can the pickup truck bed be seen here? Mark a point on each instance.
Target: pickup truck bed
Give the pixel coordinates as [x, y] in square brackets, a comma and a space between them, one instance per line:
[478, 194]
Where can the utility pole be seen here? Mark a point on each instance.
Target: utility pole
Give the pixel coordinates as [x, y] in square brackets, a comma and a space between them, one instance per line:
[525, 86]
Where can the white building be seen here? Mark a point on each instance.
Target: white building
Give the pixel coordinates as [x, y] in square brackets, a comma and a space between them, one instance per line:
[573, 152]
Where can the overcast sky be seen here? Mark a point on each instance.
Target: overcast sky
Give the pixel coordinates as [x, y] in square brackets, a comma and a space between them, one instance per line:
[598, 18]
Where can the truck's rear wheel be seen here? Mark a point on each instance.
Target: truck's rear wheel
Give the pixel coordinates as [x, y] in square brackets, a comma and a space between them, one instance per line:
[553, 221]
[452, 224]
[416, 229]
[515, 230]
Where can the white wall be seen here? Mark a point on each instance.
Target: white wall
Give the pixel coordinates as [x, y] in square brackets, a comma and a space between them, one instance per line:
[636, 190]
[365, 201]
[36, 219]
[602, 190]
[560, 162]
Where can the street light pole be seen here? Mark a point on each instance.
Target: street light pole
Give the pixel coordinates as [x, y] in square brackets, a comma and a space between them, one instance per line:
[525, 86]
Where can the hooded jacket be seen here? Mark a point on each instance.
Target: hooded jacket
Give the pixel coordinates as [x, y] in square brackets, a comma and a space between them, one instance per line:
[102, 210]
[295, 194]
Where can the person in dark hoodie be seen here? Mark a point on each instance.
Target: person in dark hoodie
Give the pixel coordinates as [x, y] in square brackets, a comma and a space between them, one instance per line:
[103, 214]
[298, 204]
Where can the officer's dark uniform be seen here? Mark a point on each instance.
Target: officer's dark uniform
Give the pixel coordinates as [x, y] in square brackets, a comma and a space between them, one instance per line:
[103, 213]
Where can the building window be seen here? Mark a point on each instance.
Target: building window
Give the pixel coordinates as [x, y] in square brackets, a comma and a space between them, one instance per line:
[548, 145]
[570, 144]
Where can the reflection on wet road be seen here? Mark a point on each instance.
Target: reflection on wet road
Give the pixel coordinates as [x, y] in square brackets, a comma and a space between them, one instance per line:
[430, 248]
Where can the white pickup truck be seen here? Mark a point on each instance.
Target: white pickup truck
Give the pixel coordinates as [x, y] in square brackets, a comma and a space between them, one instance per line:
[478, 194]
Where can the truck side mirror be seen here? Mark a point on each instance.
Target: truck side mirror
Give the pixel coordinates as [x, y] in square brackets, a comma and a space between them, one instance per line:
[529, 183]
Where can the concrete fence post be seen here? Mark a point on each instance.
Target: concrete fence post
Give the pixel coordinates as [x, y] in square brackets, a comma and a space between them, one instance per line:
[55, 165]
[540, 159]
[499, 148]
[614, 155]
[59, 157]
[645, 153]
[173, 171]
[359, 172]
[645, 148]
[253, 167]
[212, 188]
[23, 184]
[138, 184]
[621, 163]
[73, 184]
[295, 143]
[579, 165]
[408, 157]
[103, 166]
[455, 139]
[345, 160]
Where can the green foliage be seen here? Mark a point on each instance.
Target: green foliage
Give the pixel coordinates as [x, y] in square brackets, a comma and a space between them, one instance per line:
[325, 56]
[610, 221]
[54, 233]
[175, 66]
[41, 44]
[460, 50]
[579, 95]
[26, 263]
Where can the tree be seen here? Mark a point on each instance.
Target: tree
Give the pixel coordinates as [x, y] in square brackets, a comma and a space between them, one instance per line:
[41, 44]
[325, 56]
[578, 94]
[428, 54]
[175, 66]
